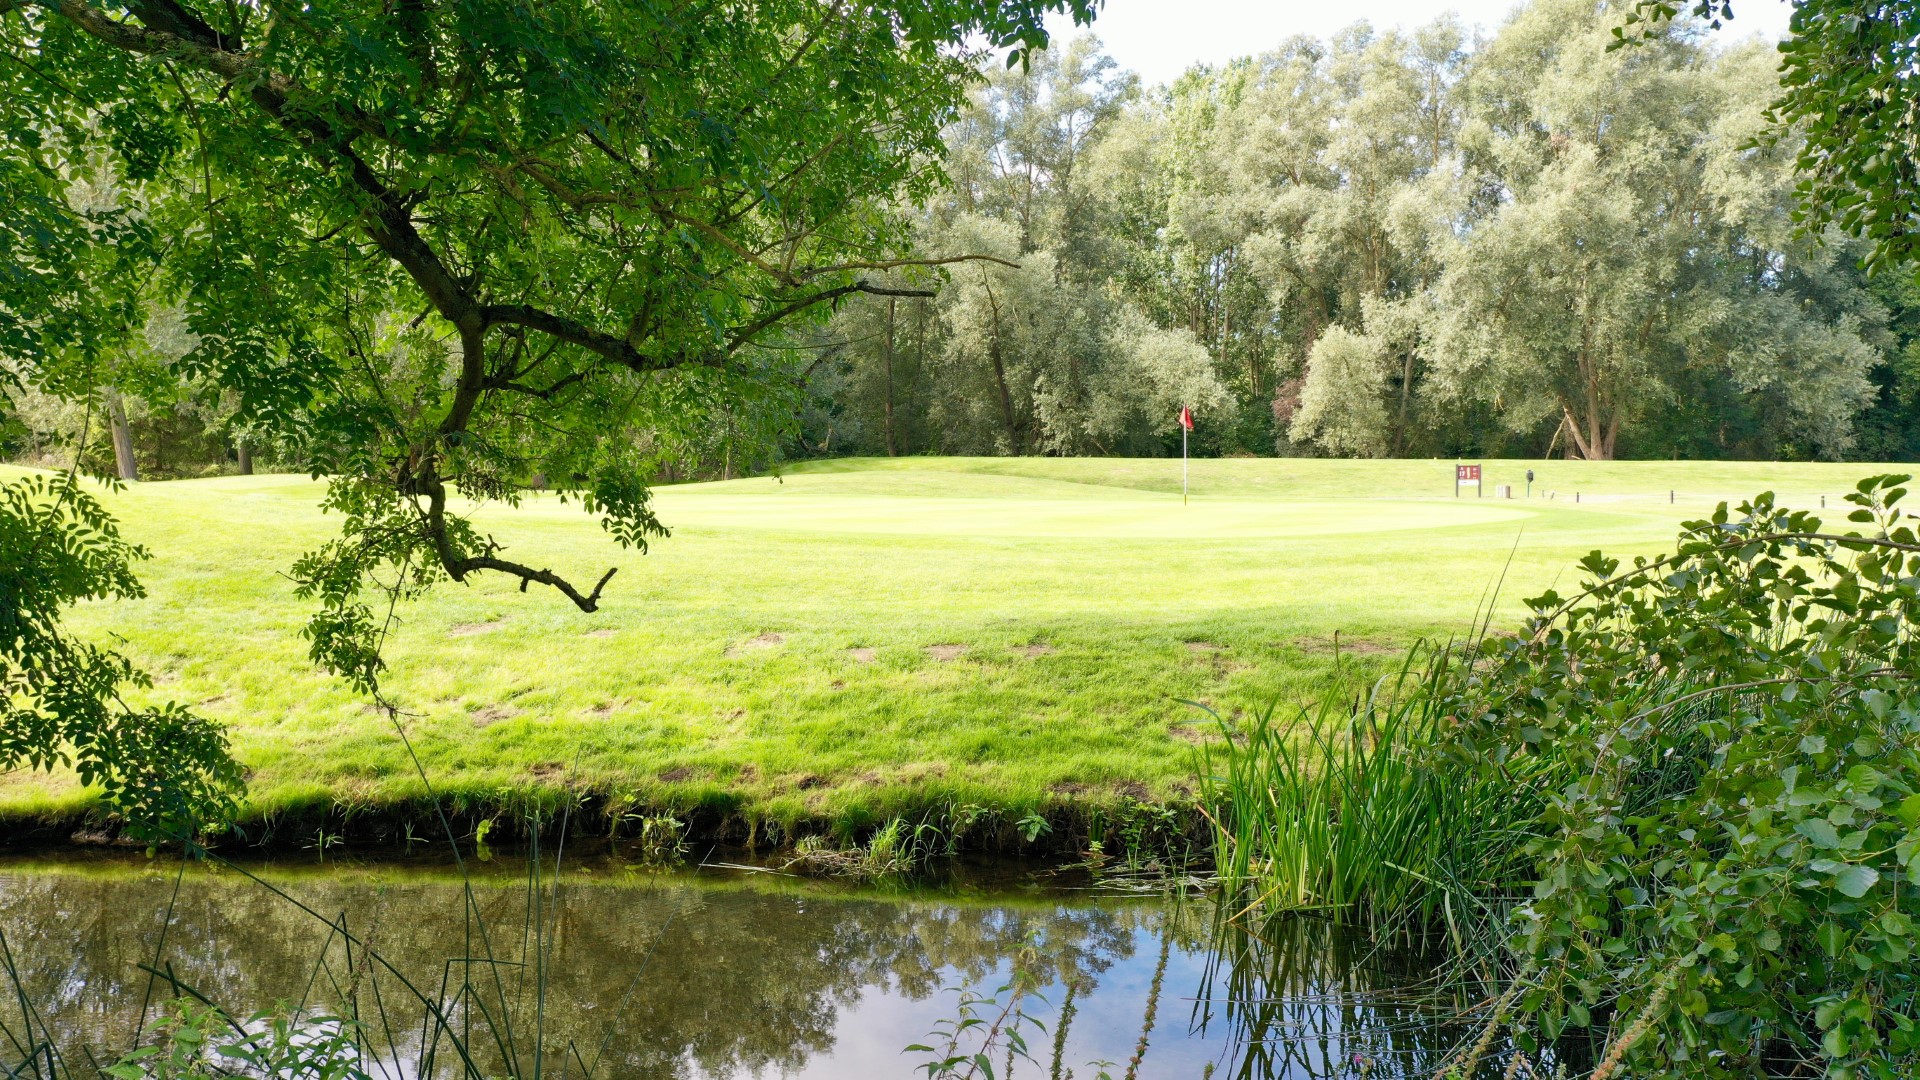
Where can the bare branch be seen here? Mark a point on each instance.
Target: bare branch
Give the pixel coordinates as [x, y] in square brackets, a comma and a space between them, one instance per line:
[534, 391]
[730, 244]
[890, 264]
[528, 576]
[746, 333]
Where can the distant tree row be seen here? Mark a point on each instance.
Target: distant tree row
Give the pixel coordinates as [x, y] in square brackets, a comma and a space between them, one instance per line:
[1387, 244]
[1402, 243]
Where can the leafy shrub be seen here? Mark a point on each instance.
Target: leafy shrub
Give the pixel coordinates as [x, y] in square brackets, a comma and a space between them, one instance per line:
[1728, 880]
[202, 1043]
[1682, 806]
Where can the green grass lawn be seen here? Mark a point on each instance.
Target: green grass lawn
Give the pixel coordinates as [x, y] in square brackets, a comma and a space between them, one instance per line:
[862, 638]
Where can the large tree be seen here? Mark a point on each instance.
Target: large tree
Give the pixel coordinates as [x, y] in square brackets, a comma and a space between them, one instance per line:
[1634, 253]
[1849, 99]
[459, 244]
[447, 246]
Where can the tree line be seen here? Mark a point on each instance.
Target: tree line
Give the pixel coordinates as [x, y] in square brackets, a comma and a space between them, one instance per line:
[1392, 243]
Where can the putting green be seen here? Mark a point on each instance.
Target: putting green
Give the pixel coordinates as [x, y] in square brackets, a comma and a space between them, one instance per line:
[1145, 517]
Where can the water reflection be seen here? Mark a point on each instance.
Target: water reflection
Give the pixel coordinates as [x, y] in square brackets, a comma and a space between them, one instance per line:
[695, 977]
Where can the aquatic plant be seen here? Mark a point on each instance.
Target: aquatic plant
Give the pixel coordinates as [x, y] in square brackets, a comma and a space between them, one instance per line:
[1341, 807]
[200, 1042]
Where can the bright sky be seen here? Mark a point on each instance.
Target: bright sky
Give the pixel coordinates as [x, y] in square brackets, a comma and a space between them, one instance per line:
[1161, 38]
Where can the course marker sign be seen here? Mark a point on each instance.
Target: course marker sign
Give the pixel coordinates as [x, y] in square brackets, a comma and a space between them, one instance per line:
[1463, 474]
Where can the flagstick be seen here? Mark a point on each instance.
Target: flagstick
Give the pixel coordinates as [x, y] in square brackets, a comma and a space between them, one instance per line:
[1183, 464]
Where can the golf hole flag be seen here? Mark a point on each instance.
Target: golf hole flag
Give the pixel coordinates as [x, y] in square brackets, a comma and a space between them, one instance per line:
[1186, 425]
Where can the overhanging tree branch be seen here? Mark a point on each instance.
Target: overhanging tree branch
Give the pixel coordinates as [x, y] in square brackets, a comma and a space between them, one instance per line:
[746, 334]
[604, 344]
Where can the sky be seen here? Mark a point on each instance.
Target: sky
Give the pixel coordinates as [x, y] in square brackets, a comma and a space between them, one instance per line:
[1161, 38]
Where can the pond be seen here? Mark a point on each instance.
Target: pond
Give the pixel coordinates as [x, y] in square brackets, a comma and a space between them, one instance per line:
[709, 973]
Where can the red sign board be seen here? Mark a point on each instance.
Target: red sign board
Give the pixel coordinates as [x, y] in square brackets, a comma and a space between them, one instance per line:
[1463, 473]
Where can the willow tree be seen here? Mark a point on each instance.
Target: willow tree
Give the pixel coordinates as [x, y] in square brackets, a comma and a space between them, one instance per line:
[1849, 100]
[1637, 244]
[446, 246]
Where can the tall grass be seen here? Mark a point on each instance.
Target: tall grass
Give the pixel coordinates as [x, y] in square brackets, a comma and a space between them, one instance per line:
[1344, 807]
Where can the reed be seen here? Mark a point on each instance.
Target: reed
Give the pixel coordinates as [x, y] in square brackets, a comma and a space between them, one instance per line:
[1346, 807]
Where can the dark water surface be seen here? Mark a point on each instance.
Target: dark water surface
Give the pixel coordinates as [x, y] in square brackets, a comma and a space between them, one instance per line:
[714, 973]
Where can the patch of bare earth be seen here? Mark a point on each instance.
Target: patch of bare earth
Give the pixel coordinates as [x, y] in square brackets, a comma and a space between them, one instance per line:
[1068, 787]
[1196, 733]
[493, 714]
[1318, 644]
[1201, 648]
[604, 631]
[1036, 650]
[764, 641]
[863, 655]
[606, 708]
[677, 774]
[468, 629]
[548, 770]
[946, 652]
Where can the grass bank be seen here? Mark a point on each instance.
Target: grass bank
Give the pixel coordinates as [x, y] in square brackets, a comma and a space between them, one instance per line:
[859, 640]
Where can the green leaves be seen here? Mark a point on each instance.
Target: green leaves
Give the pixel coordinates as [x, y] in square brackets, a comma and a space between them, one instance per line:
[1847, 91]
[1751, 789]
[61, 700]
[1856, 881]
[442, 252]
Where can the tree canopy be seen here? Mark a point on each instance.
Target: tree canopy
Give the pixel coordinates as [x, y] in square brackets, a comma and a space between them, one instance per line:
[1401, 242]
[1847, 89]
[447, 248]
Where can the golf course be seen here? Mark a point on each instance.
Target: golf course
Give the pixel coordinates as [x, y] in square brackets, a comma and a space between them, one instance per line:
[859, 639]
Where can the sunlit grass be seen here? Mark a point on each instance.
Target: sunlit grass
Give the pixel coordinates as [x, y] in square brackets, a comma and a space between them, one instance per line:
[860, 639]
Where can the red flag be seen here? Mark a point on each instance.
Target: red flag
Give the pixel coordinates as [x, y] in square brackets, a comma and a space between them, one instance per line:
[1186, 418]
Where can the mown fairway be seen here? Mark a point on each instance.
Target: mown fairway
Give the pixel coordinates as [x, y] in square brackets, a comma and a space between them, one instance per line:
[863, 637]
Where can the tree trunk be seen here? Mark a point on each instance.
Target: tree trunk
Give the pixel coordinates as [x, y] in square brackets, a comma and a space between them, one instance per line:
[1596, 442]
[919, 361]
[123, 462]
[1000, 370]
[893, 449]
[1406, 396]
[243, 458]
[1226, 336]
